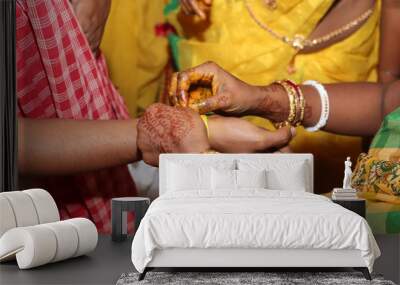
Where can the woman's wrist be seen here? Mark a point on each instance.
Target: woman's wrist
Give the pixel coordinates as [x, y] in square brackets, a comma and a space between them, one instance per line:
[212, 128]
[130, 150]
[313, 107]
[270, 102]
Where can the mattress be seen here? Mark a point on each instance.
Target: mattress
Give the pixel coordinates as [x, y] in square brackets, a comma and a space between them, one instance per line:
[251, 219]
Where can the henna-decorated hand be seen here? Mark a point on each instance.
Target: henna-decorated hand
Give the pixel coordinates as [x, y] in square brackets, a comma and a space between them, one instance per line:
[92, 16]
[166, 129]
[235, 135]
[196, 7]
[228, 94]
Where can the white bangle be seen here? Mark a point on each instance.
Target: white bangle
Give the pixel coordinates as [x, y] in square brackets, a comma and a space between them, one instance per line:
[323, 95]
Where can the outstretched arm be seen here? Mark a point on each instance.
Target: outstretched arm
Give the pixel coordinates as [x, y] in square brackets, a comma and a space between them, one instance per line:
[57, 146]
[355, 108]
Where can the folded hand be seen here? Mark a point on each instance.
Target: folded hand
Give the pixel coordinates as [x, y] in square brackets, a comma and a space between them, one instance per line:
[235, 135]
[226, 93]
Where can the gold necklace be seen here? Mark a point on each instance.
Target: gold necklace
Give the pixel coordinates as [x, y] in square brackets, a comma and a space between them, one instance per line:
[299, 41]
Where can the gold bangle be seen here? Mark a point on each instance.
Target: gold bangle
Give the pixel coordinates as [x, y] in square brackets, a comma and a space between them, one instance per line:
[302, 106]
[300, 103]
[291, 92]
[204, 118]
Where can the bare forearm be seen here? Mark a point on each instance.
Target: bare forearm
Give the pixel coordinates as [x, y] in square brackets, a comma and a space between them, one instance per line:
[57, 146]
[355, 108]
[389, 58]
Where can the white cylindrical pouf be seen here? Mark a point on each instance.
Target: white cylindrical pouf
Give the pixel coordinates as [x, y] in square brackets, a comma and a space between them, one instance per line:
[7, 217]
[67, 239]
[23, 208]
[45, 205]
[40, 244]
[87, 235]
[36, 245]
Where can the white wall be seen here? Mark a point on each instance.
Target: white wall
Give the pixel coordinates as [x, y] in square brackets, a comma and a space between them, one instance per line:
[389, 262]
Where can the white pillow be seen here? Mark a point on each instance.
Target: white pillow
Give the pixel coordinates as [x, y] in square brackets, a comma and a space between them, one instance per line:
[182, 177]
[207, 161]
[223, 179]
[251, 178]
[293, 180]
[283, 174]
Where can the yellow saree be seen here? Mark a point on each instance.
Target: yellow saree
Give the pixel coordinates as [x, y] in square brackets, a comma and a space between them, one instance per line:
[135, 55]
[234, 41]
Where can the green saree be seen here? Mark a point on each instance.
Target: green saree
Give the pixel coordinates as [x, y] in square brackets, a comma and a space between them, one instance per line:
[377, 177]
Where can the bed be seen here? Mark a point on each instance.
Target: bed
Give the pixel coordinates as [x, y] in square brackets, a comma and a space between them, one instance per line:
[246, 211]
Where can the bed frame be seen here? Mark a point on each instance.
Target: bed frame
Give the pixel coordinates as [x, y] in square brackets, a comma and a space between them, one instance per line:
[242, 259]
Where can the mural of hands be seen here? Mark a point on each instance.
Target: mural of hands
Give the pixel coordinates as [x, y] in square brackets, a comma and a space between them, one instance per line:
[209, 88]
[167, 129]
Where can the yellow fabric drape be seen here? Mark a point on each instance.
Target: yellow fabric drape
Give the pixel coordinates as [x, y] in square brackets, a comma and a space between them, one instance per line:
[237, 43]
[136, 57]
[234, 41]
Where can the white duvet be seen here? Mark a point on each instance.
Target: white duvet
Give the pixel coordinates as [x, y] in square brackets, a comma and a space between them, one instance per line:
[250, 219]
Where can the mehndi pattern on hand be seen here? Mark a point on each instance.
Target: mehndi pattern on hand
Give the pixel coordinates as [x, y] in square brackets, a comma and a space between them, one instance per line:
[166, 129]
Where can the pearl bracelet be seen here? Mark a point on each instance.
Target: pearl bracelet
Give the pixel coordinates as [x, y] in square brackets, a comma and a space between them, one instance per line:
[323, 95]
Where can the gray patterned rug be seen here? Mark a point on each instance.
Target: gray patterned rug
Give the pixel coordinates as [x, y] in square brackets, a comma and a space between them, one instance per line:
[243, 278]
